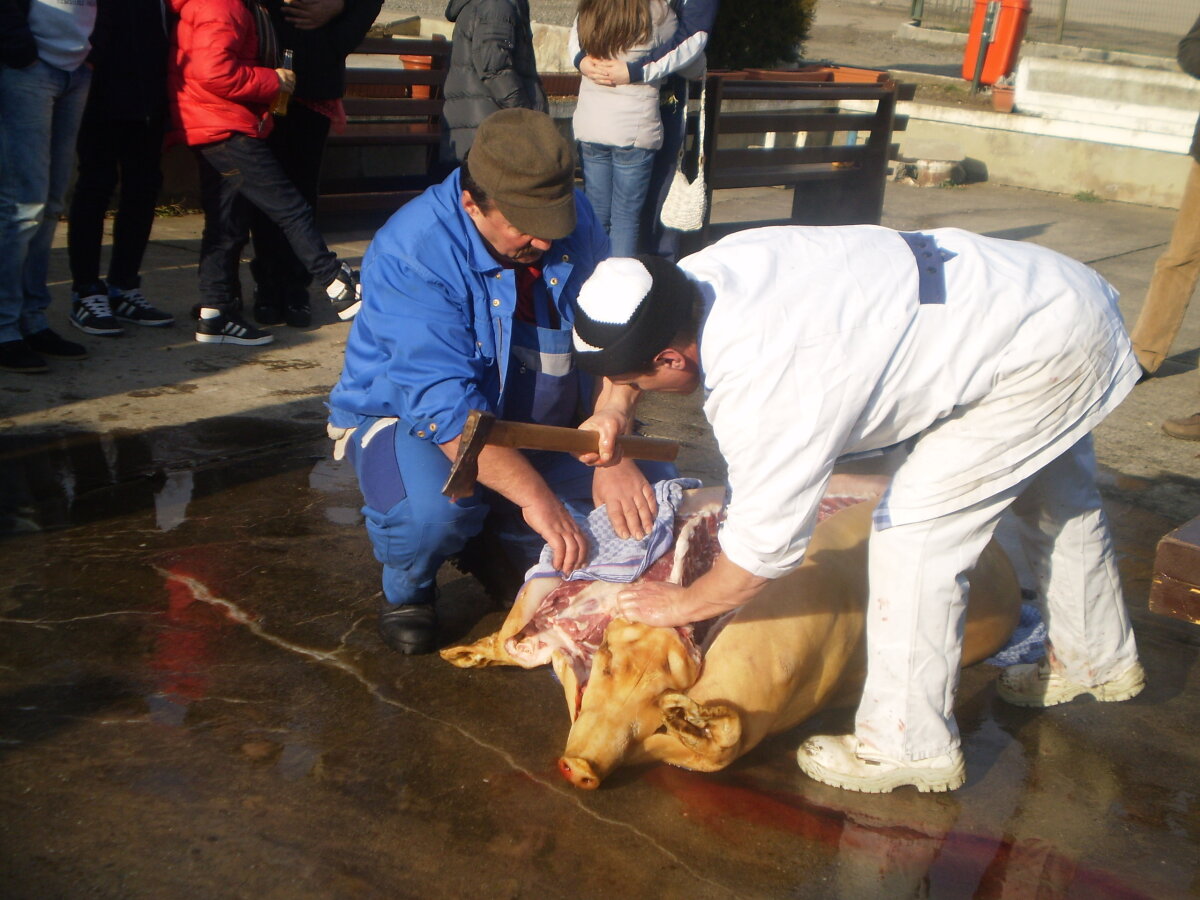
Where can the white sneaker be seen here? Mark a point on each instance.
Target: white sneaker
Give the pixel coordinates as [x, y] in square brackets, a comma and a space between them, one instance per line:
[1036, 684]
[844, 761]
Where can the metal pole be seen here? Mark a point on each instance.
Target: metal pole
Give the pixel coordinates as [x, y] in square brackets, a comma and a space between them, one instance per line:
[918, 11]
[1062, 19]
[985, 41]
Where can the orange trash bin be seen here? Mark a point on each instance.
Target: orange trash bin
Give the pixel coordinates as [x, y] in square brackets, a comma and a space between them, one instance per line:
[1008, 30]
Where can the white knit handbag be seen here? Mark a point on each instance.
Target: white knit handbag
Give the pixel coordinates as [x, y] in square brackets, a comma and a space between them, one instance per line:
[686, 201]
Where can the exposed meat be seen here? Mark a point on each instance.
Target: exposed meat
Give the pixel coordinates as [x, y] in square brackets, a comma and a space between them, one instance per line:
[571, 619]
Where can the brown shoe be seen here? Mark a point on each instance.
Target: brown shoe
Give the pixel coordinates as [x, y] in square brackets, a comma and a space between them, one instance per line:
[1186, 429]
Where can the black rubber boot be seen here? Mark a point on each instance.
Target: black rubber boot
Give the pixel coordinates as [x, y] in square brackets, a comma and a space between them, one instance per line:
[410, 629]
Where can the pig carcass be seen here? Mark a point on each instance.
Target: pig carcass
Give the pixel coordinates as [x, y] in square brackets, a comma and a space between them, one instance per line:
[701, 696]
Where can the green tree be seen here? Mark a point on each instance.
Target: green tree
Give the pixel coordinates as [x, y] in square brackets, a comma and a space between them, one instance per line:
[759, 33]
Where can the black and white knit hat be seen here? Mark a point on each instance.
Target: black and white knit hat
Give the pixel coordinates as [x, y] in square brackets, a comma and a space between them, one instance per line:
[627, 312]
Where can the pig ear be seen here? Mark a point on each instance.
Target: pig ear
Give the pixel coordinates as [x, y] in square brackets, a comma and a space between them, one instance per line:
[712, 731]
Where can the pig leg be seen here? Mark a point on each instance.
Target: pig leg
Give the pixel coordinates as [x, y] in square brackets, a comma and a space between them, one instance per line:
[489, 651]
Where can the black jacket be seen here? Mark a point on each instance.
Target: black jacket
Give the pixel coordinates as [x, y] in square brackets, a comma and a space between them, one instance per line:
[18, 49]
[129, 60]
[492, 66]
[319, 55]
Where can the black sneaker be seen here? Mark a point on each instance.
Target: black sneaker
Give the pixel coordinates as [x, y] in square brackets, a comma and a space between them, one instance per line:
[132, 306]
[216, 327]
[410, 629]
[267, 308]
[296, 311]
[15, 356]
[51, 343]
[298, 316]
[91, 313]
[345, 293]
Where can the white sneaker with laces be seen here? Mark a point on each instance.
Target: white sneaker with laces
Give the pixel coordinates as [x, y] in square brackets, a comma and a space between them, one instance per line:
[842, 760]
[1037, 684]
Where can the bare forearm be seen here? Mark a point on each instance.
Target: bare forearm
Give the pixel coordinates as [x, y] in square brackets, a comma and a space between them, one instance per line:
[621, 399]
[724, 587]
[507, 472]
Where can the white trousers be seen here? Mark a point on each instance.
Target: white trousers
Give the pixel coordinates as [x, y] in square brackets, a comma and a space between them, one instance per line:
[918, 592]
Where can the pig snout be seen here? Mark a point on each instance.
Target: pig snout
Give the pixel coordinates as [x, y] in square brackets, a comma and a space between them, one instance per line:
[579, 772]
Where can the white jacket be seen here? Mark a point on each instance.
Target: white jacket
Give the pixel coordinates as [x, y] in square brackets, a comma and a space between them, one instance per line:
[626, 115]
[815, 346]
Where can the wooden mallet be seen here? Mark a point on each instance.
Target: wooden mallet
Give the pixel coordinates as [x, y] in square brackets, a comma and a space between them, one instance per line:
[483, 428]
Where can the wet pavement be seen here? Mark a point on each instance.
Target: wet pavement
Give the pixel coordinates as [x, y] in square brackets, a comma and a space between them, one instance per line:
[193, 702]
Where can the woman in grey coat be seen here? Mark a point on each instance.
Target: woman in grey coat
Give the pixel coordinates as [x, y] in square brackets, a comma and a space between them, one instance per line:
[491, 67]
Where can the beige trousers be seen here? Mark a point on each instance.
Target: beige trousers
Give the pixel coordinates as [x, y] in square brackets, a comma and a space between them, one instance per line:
[1175, 276]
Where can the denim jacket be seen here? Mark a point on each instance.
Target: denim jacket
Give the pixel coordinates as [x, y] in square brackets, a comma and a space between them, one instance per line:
[432, 340]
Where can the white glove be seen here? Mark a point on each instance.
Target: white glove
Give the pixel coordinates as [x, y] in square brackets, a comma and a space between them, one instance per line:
[340, 437]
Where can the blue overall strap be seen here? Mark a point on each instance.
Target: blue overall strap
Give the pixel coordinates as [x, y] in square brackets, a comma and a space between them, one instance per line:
[931, 263]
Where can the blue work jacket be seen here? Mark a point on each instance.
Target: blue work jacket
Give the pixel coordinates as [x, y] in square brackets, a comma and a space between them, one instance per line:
[432, 339]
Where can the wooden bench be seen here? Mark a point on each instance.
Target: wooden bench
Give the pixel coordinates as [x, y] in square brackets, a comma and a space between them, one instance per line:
[391, 104]
[831, 143]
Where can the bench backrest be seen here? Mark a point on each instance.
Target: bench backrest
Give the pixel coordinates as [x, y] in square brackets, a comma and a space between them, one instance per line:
[393, 100]
[830, 142]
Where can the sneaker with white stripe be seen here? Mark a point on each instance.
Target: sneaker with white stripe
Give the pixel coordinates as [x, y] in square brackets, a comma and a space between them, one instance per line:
[132, 306]
[345, 292]
[91, 313]
[216, 327]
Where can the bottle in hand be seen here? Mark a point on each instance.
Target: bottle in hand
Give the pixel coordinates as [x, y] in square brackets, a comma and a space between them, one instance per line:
[280, 106]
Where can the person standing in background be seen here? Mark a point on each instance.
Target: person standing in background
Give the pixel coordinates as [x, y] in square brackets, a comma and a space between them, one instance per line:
[492, 67]
[120, 140]
[1177, 270]
[320, 33]
[681, 58]
[44, 79]
[223, 82]
[619, 128]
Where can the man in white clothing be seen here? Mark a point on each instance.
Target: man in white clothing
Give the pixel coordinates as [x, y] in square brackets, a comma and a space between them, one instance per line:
[984, 364]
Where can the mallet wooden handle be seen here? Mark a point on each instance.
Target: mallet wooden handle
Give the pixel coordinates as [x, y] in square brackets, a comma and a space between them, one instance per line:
[482, 428]
[526, 436]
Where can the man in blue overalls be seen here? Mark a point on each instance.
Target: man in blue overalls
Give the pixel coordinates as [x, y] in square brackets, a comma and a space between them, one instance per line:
[467, 304]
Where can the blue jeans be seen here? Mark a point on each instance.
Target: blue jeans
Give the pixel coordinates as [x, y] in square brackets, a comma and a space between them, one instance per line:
[657, 239]
[236, 174]
[40, 111]
[615, 180]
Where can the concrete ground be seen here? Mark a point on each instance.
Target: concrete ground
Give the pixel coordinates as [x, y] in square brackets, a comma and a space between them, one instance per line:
[193, 701]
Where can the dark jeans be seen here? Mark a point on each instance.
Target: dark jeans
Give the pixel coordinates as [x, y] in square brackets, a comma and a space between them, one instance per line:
[111, 152]
[655, 238]
[298, 142]
[236, 175]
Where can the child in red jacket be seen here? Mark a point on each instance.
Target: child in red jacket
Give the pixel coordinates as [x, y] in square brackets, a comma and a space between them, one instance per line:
[223, 80]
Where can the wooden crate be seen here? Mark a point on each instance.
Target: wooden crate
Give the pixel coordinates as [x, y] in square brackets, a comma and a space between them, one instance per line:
[1175, 588]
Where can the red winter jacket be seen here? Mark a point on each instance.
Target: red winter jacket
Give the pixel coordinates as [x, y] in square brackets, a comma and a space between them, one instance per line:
[218, 87]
